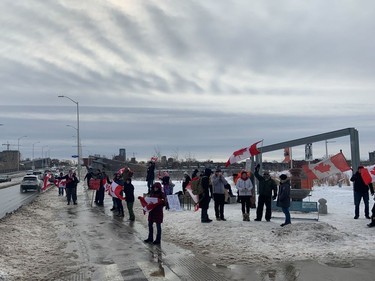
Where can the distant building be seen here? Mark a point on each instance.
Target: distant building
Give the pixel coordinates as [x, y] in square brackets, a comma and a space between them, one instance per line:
[9, 160]
[163, 161]
[122, 154]
[371, 156]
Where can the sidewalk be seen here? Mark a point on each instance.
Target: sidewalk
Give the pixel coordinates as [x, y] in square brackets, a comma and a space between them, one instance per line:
[111, 248]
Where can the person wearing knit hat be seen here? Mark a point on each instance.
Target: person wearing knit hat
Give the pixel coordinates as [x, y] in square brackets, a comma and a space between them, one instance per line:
[283, 198]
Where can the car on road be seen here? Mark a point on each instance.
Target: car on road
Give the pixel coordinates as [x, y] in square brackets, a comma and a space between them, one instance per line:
[5, 178]
[30, 182]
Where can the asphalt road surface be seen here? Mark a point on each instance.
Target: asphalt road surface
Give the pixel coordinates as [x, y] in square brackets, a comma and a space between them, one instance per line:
[11, 199]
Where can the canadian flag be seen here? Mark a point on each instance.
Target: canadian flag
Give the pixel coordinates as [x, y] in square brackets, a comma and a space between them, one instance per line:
[243, 153]
[60, 183]
[46, 182]
[368, 174]
[333, 165]
[188, 188]
[115, 190]
[149, 203]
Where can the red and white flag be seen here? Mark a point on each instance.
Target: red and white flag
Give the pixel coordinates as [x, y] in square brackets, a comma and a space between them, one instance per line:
[149, 203]
[333, 165]
[115, 190]
[154, 159]
[188, 188]
[46, 182]
[243, 153]
[368, 174]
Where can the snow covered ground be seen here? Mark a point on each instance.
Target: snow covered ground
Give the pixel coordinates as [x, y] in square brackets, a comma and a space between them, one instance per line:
[335, 238]
[31, 235]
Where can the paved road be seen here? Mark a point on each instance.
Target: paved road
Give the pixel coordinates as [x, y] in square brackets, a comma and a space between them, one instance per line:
[11, 199]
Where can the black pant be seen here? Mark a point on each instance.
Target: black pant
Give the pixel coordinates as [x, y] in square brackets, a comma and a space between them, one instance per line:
[99, 196]
[245, 202]
[151, 231]
[71, 193]
[264, 200]
[119, 206]
[219, 205]
[149, 185]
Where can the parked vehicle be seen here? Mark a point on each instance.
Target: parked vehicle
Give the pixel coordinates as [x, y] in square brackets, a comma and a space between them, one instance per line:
[30, 182]
[39, 174]
[5, 178]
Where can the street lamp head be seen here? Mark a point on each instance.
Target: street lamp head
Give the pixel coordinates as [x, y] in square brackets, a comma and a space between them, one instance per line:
[61, 96]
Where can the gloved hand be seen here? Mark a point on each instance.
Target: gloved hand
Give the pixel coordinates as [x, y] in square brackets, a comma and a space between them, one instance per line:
[257, 167]
[274, 197]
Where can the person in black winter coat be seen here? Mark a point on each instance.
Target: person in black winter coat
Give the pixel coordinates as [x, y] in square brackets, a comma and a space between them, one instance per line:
[129, 198]
[150, 176]
[283, 198]
[267, 186]
[205, 197]
[195, 173]
[372, 223]
[71, 187]
[185, 182]
[361, 192]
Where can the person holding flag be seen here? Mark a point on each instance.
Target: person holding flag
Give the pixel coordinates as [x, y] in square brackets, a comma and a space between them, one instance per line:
[205, 198]
[361, 192]
[155, 215]
[116, 190]
[60, 183]
[71, 187]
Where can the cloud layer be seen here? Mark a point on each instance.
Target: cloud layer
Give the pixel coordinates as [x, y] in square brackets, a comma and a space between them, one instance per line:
[202, 78]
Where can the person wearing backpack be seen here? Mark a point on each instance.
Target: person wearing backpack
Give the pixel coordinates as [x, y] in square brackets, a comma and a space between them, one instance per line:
[218, 188]
[205, 198]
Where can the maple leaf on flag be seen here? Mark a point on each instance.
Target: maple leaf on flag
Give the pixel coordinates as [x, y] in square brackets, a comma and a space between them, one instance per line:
[243, 153]
[239, 152]
[321, 167]
[330, 166]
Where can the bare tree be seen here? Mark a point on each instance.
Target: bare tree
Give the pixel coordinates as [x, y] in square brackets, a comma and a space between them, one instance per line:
[175, 154]
[157, 152]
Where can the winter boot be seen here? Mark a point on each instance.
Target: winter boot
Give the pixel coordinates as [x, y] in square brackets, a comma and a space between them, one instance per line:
[372, 223]
[247, 217]
[244, 217]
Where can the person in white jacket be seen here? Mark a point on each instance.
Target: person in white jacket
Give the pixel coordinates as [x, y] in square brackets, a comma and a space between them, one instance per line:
[245, 190]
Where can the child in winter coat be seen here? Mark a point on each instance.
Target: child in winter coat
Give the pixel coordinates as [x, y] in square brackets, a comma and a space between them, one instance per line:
[155, 215]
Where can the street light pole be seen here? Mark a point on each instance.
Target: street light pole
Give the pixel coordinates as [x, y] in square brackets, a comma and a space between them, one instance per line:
[78, 139]
[33, 167]
[43, 155]
[327, 147]
[19, 154]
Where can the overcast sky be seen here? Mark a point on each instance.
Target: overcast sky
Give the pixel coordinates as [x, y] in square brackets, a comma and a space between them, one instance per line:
[197, 78]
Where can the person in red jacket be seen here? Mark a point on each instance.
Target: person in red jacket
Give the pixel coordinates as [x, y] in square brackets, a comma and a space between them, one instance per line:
[156, 215]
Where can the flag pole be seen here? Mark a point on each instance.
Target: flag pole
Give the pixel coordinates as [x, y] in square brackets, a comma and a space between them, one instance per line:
[291, 157]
